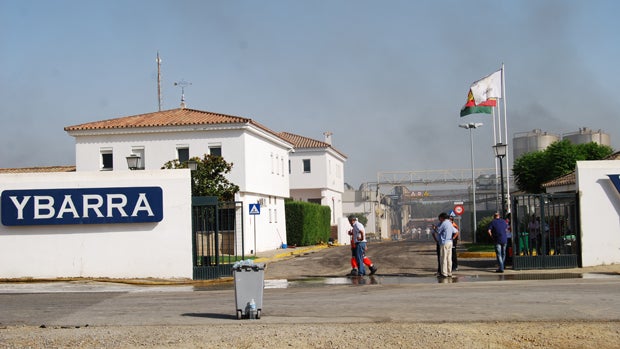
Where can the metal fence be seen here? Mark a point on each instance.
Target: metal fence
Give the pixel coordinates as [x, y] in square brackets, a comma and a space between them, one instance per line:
[217, 237]
[545, 231]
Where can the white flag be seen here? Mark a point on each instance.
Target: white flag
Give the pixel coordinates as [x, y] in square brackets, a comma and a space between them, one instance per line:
[487, 87]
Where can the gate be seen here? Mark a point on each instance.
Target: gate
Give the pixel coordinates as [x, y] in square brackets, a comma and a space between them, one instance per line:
[217, 237]
[545, 231]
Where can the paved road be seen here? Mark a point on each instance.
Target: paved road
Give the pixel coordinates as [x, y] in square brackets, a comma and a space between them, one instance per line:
[319, 299]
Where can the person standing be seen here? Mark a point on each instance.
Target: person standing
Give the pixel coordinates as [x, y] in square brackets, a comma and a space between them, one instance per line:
[533, 228]
[359, 236]
[455, 241]
[367, 262]
[443, 236]
[497, 232]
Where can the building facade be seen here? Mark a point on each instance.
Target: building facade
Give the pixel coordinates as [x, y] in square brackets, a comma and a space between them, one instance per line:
[316, 173]
[259, 157]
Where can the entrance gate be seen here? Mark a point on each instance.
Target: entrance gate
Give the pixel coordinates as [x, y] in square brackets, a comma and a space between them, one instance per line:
[217, 237]
[545, 231]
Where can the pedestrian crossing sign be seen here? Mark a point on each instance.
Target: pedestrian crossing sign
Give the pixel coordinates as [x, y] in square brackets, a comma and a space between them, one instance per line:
[254, 209]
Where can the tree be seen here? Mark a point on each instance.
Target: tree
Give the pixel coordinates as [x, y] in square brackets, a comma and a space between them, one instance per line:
[533, 169]
[208, 178]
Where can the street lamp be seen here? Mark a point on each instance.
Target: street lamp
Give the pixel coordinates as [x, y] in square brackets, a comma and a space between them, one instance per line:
[132, 161]
[470, 126]
[500, 152]
[192, 165]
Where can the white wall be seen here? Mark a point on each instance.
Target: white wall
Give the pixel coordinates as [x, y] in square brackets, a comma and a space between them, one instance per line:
[326, 170]
[266, 167]
[599, 204]
[132, 250]
[267, 230]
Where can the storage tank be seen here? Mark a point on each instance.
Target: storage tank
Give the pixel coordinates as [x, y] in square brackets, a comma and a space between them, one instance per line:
[586, 135]
[535, 140]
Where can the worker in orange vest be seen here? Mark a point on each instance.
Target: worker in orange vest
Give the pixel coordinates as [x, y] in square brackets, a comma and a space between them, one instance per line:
[367, 262]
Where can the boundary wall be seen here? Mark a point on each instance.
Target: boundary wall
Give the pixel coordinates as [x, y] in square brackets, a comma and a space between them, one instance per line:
[599, 205]
[114, 250]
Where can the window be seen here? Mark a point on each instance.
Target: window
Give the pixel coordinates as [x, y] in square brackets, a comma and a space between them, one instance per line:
[107, 160]
[183, 154]
[289, 166]
[306, 165]
[215, 151]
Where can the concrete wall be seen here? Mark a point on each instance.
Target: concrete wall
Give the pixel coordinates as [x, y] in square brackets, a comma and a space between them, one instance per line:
[128, 250]
[599, 204]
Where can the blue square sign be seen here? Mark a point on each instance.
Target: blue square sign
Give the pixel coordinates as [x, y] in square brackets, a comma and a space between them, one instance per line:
[254, 209]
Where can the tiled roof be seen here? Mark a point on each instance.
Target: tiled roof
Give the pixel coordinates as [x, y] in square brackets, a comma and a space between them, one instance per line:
[305, 142]
[38, 169]
[570, 178]
[172, 117]
[567, 179]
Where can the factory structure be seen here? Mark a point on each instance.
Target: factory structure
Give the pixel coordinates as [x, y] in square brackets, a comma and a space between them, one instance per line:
[391, 205]
[536, 140]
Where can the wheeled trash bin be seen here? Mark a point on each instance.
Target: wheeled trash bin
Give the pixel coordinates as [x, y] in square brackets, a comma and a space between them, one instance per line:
[249, 284]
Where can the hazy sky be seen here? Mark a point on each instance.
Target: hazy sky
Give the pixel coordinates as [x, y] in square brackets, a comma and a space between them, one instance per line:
[388, 78]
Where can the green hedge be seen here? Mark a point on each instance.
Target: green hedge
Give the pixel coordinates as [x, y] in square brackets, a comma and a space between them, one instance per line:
[306, 223]
[482, 231]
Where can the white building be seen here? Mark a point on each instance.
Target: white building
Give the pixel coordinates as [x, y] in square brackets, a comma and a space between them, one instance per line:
[259, 157]
[317, 172]
[268, 167]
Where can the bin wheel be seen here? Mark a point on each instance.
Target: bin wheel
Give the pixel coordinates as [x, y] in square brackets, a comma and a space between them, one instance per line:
[238, 314]
[257, 314]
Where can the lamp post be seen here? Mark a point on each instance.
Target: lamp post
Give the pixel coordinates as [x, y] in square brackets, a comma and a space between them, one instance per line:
[192, 165]
[132, 161]
[500, 153]
[470, 126]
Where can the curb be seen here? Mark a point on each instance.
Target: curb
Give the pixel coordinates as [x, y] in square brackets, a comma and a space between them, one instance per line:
[296, 252]
[476, 255]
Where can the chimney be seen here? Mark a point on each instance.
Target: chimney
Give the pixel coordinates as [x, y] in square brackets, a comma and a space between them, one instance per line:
[328, 137]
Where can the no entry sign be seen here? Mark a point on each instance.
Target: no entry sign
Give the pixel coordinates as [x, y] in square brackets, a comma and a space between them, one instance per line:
[458, 209]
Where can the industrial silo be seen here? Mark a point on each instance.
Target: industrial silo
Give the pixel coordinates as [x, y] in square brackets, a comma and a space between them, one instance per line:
[586, 135]
[535, 140]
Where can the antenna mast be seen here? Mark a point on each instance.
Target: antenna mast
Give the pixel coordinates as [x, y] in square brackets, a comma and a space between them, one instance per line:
[183, 84]
[159, 100]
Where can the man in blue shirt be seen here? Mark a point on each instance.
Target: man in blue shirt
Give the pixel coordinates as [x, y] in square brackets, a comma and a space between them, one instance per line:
[443, 236]
[497, 232]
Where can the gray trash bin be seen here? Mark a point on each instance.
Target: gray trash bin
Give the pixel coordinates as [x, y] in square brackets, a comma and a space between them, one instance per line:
[249, 284]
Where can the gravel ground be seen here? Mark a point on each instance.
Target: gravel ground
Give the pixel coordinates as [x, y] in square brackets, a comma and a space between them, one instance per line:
[253, 334]
[381, 334]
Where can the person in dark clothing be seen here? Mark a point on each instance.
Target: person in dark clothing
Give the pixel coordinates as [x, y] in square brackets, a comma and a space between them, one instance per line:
[455, 240]
[497, 232]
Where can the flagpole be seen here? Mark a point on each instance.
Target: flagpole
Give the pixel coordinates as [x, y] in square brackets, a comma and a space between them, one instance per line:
[507, 146]
[495, 162]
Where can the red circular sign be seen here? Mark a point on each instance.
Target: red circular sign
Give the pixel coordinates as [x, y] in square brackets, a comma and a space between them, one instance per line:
[458, 209]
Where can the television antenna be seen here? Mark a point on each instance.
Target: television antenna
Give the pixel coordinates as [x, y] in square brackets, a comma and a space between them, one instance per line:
[159, 99]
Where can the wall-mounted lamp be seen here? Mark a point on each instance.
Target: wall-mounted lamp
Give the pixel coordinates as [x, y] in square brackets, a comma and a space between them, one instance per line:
[192, 165]
[132, 161]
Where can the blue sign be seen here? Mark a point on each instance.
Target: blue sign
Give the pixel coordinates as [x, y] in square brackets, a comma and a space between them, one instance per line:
[82, 206]
[615, 179]
[254, 209]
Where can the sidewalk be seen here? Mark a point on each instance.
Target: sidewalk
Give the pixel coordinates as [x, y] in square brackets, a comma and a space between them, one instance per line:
[279, 254]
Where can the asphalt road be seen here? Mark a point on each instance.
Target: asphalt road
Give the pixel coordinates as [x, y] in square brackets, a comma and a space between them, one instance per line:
[399, 293]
